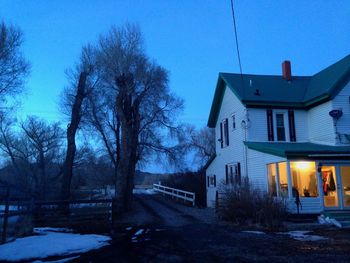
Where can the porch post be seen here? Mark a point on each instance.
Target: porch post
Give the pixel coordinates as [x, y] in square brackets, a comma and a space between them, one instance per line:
[289, 177]
[277, 179]
[320, 185]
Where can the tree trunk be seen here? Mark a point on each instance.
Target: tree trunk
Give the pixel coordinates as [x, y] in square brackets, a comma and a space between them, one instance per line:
[127, 162]
[71, 132]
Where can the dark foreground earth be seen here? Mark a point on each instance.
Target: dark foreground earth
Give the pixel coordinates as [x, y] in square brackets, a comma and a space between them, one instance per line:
[162, 231]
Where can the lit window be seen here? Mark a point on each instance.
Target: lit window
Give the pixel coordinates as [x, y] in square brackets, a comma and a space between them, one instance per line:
[304, 181]
[283, 183]
[271, 173]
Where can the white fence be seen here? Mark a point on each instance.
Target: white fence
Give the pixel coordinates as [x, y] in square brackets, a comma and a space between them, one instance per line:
[176, 193]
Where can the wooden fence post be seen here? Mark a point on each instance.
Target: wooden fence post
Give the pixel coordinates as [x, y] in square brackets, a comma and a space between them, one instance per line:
[4, 225]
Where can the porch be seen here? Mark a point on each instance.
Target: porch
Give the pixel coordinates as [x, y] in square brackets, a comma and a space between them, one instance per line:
[313, 178]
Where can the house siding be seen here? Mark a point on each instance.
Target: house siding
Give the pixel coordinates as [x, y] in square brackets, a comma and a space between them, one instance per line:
[258, 125]
[257, 171]
[342, 101]
[321, 128]
[234, 152]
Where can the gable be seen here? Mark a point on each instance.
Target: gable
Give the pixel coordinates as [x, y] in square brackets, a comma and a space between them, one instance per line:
[302, 92]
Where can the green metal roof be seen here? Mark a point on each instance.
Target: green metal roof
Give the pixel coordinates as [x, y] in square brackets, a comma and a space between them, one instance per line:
[302, 149]
[302, 92]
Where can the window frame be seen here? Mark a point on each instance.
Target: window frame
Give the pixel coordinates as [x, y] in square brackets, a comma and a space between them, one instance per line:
[224, 133]
[233, 174]
[234, 121]
[285, 125]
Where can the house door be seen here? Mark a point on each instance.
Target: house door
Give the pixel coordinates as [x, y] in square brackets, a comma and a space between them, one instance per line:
[345, 186]
[330, 187]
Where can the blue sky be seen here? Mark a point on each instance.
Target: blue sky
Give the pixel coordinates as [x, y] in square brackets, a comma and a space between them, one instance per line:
[193, 39]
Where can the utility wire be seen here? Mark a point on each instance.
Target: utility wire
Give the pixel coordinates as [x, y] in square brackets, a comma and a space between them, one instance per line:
[237, 47]
[236, 37]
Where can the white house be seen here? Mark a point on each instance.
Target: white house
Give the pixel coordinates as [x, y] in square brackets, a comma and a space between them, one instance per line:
[289, 134]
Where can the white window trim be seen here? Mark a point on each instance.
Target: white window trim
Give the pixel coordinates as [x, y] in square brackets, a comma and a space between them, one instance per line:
[231, 117]
[286, 124]
[224, 142]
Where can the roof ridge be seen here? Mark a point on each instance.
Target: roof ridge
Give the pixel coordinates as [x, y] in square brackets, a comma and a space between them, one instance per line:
[263, 75]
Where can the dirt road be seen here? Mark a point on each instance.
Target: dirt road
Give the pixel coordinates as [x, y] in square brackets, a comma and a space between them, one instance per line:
[159, 230]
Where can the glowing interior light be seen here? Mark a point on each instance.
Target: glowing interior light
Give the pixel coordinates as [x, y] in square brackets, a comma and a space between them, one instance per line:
[303, 165]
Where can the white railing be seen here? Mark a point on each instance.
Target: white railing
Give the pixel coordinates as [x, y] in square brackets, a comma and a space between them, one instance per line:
[176, 193]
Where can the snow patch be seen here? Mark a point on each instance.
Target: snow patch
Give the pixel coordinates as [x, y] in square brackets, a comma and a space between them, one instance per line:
[144, 191]
[303, 236]
[57, 261]
[254, 232]
[50, 243]
[328, 221]
[41, 230]
[139, 232]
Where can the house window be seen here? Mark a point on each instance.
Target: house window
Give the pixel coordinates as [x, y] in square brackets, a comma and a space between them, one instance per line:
[277, 179]
[272, 178]
[283, 179]
[233, 173]
[233, 117]
[224, 133]
[304, 181]
[211, 180]
[280, 129]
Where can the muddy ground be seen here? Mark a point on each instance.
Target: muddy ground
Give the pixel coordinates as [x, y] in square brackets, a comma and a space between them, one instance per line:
[159, 230]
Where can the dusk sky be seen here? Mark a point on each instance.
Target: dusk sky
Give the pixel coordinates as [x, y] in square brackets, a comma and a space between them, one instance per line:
[194, 40]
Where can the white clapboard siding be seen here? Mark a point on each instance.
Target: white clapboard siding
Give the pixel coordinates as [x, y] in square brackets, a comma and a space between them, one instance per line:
[342, 101]
[309, 205]
[301, 125]
[257, 171]
[235, 151]
[257, 130]
[321, 128]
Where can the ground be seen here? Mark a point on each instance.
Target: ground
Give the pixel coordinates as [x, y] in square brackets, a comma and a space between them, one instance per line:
[172, 232]
[160, 230]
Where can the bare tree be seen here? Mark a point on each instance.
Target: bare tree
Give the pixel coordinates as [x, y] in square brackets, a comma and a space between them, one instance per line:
[201, 143]
[133, 109]
[45, 142]
[80, 91]
[13, 67]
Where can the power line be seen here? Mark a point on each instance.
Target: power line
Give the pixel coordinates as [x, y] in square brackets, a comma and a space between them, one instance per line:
[236, 38]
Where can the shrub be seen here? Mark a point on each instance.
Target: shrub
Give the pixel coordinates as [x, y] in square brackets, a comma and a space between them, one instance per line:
[243, 204]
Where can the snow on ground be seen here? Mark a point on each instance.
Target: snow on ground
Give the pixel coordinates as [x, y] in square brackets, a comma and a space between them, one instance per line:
[57, 261]
[254, 232]
[41, 230]
[49, 242]
[11, 208]
[144, 191]
[303, 236]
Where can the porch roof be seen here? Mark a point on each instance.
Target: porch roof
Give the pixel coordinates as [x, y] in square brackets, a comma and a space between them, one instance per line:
[301, 149]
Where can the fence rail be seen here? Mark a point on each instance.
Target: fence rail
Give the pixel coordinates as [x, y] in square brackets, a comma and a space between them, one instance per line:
[57, 210]
[176, 193]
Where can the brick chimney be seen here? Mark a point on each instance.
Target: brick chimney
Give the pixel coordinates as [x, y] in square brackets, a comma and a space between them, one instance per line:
[286, 70]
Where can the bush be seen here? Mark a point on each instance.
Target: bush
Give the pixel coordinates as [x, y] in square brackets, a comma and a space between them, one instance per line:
[243, 204]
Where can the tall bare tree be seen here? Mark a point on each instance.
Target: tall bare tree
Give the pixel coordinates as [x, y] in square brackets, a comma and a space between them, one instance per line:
[13, 66]
[75, 96]
[137, 106]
